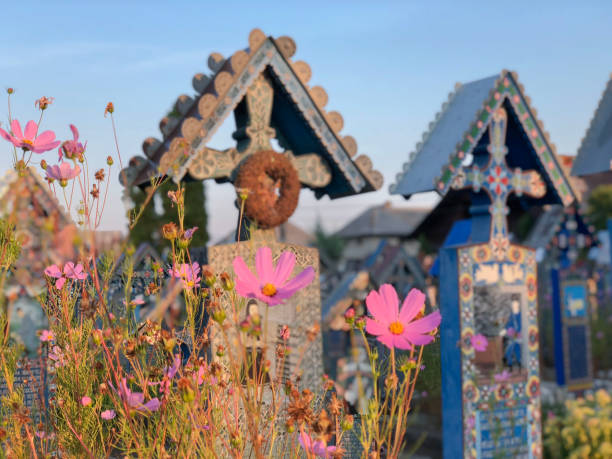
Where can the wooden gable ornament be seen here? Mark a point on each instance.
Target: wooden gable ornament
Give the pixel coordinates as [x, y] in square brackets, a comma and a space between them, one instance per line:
[270, 97]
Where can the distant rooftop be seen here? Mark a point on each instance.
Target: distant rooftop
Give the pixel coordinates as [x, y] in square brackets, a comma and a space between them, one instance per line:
[383, 221]
[595, 151]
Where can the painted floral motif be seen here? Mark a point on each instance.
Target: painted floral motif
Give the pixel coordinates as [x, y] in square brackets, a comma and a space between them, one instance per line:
[465, 287]
[533, 387]
[499, 246]
[503, 392]
[532, 287]
[481, 254]
[470, 392]
[532, 338]
[466, 340]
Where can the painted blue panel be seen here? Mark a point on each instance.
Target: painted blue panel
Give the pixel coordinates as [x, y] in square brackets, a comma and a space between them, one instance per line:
[502, 432]
[459, 234]
[574, 301]
[578, 348]
[452, 410]
[557, 327]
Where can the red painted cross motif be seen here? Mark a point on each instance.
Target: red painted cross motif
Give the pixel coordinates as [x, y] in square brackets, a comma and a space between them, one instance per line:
[498, 180]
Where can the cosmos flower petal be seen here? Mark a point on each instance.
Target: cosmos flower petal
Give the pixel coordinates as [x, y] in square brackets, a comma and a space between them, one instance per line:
[391, 300]
[45, 137]
[108, 415]
[416, 338]
[387, 340]
[305, 441]
[264, 265]
[298, 282]
[75, 132]
[46, 147]
[59, 284]
[373, 327]
[426, 324]
[53, 271]
[376, 307]
[414, 302]
[400, 342]
[16, 128]
[6, 136]
[151, 405]
[284, 268]
[244, 274]
[30, 130]
[244, 289]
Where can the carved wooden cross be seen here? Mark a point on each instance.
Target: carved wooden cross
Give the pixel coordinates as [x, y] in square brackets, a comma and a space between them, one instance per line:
[255, 134]
[499, 181]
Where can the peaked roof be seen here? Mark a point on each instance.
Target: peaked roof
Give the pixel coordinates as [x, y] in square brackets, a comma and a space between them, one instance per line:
[595, 151]
[384, 220]
[459, 127]
[40, 192]
[194, 120]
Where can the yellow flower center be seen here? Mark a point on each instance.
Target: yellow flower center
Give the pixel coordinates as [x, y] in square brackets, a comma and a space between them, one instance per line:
[396, 328]
[28, 144]
[268, 290]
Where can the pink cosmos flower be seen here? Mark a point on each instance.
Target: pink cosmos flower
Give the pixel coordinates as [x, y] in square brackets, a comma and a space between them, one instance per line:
[86, 401]
[189, 274]
[316, 447]
[480, 343]
[502, 377]
[63, 172]
[46, 335]
[135, 399]
[397, 328]
[57, 355]
[72, 149]
[270, 284]
[70, 272]
[28, 140]
[134, 303]
[189, 233]
[170, 373]
[108, 415]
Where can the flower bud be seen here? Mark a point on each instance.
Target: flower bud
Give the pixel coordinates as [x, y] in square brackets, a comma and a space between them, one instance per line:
[360, 323]
[43, 165]
[10, 90]
[169, 344]
[348, 422]
[220, 351]
[209, 276]
[349, 316]
[170, 231]
[219, 315]
[226, 281]
[109, 160]
[63, 183]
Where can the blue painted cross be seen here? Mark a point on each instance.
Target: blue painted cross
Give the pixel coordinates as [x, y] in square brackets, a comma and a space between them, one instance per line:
[499, 181]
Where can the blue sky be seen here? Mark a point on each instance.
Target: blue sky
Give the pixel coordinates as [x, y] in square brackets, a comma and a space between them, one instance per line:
[387, 67]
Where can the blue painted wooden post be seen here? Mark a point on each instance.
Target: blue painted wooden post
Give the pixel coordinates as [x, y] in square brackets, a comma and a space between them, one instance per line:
[477, 397]
[450, 354]
[557, 327]
[610, 244]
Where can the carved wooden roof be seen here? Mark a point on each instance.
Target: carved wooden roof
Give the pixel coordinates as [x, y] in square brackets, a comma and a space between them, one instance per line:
[194, 120]
[595, 151]
[459, 127]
